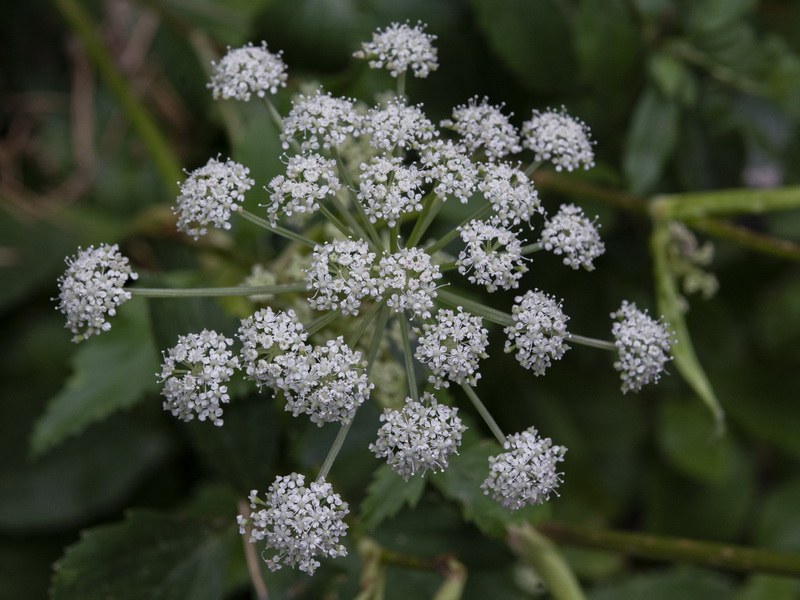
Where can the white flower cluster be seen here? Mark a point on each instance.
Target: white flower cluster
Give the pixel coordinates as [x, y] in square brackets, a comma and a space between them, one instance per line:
[485, 261]
[194, 374]
[483, 126]
[570, 233]
[248, 70]
[266, 335]
[320, 121]
[526, 473]
[449, 167]
[643, 345]
[209, 194]
[559, 138]
[341, 276]
[400, 47]
[511, 195]
[420, 437]
[299, 523]
[309, 178]
[407, 280]
[538, 333]
[451, 347]
[92, 288]
[389, 189]
[398, 125]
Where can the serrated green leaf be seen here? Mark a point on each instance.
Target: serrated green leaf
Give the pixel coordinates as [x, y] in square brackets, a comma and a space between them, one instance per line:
[387, 494]
[111, 372]
[461, 481]
[686, 583]
[150, 556]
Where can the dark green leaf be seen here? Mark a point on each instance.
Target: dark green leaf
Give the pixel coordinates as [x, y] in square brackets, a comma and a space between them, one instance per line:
[769, 587]
[779, 524]
[686, 583]
[606, 42]
[148, 557]
[387, 494]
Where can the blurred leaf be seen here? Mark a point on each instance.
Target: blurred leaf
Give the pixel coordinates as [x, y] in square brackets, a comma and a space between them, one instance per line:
[778, 526]
[229, 21]
[651, 139]
[150, 556]
[674, 80]
[606, 42]
[704, 16]
[88, 475]
[386, 495]
[531, 38]
[684, 583]
[462, 482]
[769, 587]
[111, 372]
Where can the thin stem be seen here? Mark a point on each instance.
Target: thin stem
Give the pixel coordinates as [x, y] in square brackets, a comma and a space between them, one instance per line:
[401, 84]
[429, 210]
[591, 342]
[725, 556]
[548, 562]
[335, 221]
[334, 451]
[363, 324]
[725, 202]
[277, 229]
[530, 249]
[321, 322]
[275, 116]
[370, 233]
[454, 233]
[531, 168]
[253, 568]
[483, 411]
[245, 290]
[477, 308]
[407, 354]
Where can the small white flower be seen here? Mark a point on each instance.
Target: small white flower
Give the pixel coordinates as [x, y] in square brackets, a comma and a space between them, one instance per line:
[320, 121]
[643, 345]
[309, 179]
[265, 335]
[538, 333]
[92, 288]
[398, 125]
[341, 276]
[299, 523]
[452, 346]
[482, 125]
[248, 70]
[409, 278]
[450, 168]
[209, 194]
[511, 194]
[570, 233]
[331, 385]
[557, 137]
[526, 473]
[399, 47]
[194, 374]
[492, 256]
[420, 437]
[389, 189]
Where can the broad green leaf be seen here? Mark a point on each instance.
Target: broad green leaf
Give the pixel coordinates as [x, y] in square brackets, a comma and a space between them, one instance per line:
[112, 372]
[651, 139]
[703, 16]
[229, 21]
[150, 556]
[674, 80]
[769, 587]
[778, 526]
[387, 494]
[532, 38]
[684, 583]
[462, 480]
[607, 65]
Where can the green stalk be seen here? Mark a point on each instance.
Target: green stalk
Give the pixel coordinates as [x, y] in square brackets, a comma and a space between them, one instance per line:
[476, 308]
[320, 322]
[484, 412]
[141, 120]
[531, 168]
[454, 233]
[725, 202]
[530, 249]
[277, 229]
[591, 342]
[429, 210]
[371, 233]
[363, 324]
[245, 290]
[408, 355]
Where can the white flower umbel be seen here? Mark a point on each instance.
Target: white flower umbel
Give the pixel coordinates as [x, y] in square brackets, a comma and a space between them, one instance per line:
[335, 387]
[492, 256]
[570, 233]
[451, 347]
[420, 437]
[538, 333]
[341, 275]
[194, 374]
[482, 125]
[511, 194]
[209, 194]
[265, 335]
[92, 288]
[298, 523]
[245, 71]
[398, 125]
[409, 279]
[309, 179]
[643, 344]
[388, 189]
[450, 169]
[526, 474]
[556, 137]
[400, 47]
[320, 121]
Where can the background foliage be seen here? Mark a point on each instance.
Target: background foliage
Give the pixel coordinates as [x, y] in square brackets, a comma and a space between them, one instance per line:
[681, 95]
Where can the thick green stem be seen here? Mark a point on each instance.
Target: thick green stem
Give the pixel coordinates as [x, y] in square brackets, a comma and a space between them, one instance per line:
[277, 229]
[484, 412]
[253, 562]
[548, 562]
[726, 202]
[142, 122]
[408, 356]
[245, 290]
[530, 249]
[724, 556]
